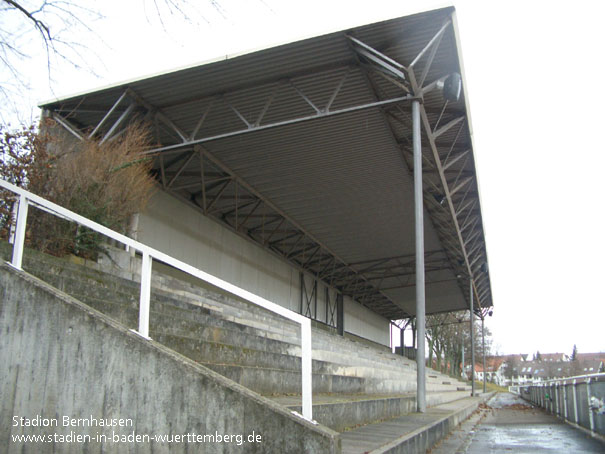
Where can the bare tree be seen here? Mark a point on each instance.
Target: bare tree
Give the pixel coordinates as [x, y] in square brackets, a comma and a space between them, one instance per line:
[447, 335]
[59, 31]
[41, 30]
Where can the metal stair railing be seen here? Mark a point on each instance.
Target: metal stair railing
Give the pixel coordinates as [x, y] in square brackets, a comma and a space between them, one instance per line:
[149, 254]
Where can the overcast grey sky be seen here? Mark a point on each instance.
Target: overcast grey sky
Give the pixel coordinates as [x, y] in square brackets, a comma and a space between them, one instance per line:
[534, 80]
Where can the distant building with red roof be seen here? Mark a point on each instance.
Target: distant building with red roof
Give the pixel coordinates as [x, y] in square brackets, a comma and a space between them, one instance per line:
[515, 369]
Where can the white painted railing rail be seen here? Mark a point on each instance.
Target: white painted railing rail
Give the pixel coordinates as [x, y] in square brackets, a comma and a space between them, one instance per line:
[149, 254]
[562, 396]
[577, 378]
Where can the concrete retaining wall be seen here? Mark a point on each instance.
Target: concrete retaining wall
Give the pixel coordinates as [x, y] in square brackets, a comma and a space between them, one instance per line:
[179, 230]
[62, 359]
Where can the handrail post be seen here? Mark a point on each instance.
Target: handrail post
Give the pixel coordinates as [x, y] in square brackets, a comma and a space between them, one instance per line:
[145, 295]
[588, 398]
[575, 401]
[306, 369]
[13, 222]
[19, 243]
[565, 412]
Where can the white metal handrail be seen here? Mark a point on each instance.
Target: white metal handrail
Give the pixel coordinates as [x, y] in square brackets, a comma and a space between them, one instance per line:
[149, 254]
[563, 379]
[577, 377]
[553, 401]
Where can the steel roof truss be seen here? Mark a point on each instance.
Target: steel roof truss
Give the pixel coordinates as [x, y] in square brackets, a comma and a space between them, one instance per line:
[448, 163]
[108, 114]
[218, 195]
[240, 199]
[435, 41]
[118, 122]
[471, 205]
[472, 223]
[472, 236]
[379, 61]
[67, 125]
[192, 155]
[458, 175]
[449, 125]
[238, 113]
[462, 200]
[441, 112]
[434, 45]
[464, 182]
[202, 119]
[474, 248]
[243, 223]
[280, 123]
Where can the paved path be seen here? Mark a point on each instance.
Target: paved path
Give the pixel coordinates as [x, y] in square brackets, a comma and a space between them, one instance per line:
[394, 431]
[508, 424]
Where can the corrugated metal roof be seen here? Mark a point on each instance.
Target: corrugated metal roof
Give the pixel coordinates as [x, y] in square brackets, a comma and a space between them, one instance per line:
[296, 159]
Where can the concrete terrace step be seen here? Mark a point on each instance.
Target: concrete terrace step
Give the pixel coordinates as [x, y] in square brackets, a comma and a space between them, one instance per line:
[411, 432]
[239, 334]
[219, 353]
[162, 302]
[323, 343]
[341, 412]
[179, 291]
[225, 304]
[249, 367]
[125, 304]
[212, 329]
[268, 381]
[219, 303]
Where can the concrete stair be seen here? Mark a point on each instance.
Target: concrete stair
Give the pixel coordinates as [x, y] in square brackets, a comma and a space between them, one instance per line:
[354, 382]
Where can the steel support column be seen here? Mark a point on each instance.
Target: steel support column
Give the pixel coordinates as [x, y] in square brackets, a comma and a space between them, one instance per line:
[420, 298]
[472, 340]
[340, 315]
[462, 340]
[402, 340]
[483, 347]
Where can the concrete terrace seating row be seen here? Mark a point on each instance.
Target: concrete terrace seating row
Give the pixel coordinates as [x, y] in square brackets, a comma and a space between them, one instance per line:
[354, 383]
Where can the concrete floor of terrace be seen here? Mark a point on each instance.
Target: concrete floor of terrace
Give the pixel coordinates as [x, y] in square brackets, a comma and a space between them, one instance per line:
[412, 432]
[509, 424]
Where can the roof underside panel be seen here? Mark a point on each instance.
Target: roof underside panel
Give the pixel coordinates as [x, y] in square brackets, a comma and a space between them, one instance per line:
[305, 149]
[324, 177]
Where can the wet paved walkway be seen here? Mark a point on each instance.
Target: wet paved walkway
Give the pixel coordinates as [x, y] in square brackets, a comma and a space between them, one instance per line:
[508, 424]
